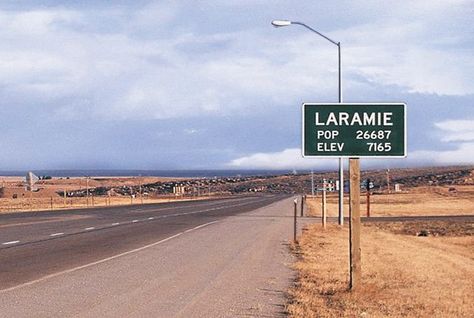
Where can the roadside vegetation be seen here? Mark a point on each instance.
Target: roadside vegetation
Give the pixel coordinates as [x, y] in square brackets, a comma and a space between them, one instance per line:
[403, 275]
[427, 200]
[412, 269]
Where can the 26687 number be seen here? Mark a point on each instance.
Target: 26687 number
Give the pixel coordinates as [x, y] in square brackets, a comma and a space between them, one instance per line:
[370, 135]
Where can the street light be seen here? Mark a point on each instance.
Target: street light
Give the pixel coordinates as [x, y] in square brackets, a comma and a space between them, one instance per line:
[280, 23]
[283, 23]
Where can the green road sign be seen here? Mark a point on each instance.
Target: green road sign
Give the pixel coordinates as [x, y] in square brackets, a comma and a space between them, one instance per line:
[354, 130]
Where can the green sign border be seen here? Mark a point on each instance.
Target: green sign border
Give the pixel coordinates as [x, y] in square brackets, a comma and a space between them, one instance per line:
[341, 105]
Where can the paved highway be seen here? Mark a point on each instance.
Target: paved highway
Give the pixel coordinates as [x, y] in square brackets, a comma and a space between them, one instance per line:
[215, 258]
[37, 244]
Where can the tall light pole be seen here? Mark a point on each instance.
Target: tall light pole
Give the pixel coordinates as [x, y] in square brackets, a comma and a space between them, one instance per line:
[283, 23]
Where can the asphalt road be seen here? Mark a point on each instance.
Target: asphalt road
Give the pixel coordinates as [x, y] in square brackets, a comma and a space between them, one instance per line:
[38, 244]
[215, 258]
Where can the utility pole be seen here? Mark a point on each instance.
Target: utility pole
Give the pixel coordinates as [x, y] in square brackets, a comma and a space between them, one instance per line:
[87, 191]
[312, 183]
[368, 197]
[284, 23]
[341, 163]
[140, 189]
[323, 205]
[388, 180]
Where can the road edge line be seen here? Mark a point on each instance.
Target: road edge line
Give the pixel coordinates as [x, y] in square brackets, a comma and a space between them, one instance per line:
[71, 270]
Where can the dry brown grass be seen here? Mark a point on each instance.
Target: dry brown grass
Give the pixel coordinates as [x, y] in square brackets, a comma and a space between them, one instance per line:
[37, 204]
[401, 275]
[418, 201]
[47, 198]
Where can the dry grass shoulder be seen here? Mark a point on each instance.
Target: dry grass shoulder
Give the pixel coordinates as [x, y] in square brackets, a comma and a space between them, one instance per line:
[402, 275]
[417, 201]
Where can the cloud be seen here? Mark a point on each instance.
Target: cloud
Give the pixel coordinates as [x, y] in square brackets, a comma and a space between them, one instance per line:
[463, 154]
[91, 64]
[456, 130]
[458, 133]
[285, 159]
[117, 64]
[291, 159]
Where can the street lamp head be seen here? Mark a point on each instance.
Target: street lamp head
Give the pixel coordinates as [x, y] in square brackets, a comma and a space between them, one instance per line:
[280, 23]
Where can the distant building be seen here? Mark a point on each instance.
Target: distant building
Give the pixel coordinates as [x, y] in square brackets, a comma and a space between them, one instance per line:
[179, 190]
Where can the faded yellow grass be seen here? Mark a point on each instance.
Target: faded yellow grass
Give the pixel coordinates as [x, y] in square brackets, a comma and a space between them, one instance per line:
[401, 275]
[418, 201]
[37, 204]
[47, 198]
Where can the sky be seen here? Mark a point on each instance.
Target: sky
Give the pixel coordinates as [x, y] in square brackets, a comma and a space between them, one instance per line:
[212, 85]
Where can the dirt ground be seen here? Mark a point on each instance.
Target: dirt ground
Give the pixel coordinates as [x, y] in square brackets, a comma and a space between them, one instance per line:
[403, 275]
[57, 203]
[436, 200]
[50, 187]
[47, 197]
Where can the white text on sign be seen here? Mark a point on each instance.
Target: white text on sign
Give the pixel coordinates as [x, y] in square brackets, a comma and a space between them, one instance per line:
[364, 119]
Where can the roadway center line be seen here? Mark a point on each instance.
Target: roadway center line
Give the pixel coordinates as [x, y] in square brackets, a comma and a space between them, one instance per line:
[215, 208]
[202, 204]
[105, 259]
[11, 242]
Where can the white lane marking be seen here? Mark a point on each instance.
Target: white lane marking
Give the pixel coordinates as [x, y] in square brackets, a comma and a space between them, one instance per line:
[213, 203]
[89, 228]
[173, 215]
[105, 259]
[207, 210]
[11, 242]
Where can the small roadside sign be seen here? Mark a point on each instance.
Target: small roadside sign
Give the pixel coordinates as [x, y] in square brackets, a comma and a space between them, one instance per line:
[354, 130]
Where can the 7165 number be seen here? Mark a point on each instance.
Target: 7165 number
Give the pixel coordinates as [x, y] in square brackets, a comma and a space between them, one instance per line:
[379, 146]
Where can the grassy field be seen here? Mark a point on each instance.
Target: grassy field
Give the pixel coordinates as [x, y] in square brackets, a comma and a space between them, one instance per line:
[417, 201]
[403, 274]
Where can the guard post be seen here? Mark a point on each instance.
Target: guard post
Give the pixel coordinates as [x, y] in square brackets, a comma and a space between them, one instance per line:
[294, 219]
